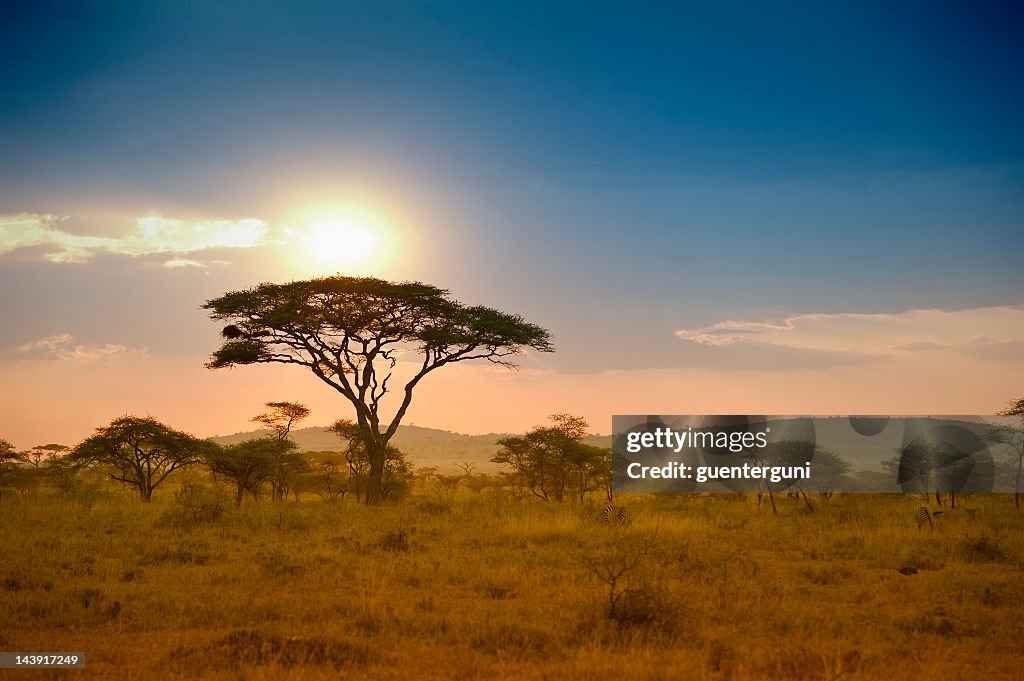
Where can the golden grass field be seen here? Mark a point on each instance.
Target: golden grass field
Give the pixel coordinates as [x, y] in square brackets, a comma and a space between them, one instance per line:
[494, 587]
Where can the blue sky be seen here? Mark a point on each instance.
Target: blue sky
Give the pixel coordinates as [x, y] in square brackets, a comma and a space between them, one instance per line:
[616, 172]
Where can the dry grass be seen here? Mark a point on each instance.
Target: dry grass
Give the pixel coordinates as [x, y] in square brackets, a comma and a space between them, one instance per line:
[484, 589]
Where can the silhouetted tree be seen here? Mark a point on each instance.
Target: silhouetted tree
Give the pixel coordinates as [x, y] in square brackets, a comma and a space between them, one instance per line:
[1012, 437]
[349, 331]
[281, 417]
[592, 467]
[829, 472]
[62, 474]
[248, 464]
[38, 469]
[40, 454]
[141, 450]
[914, 466]
[10, 464]
[783, 453]
[551, 459]
[327, 476]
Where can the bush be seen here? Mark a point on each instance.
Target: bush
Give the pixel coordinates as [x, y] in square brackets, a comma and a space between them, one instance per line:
[194, 505]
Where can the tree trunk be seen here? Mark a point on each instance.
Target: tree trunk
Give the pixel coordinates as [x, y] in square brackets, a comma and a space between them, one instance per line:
[146, 494]
[375, 480]
[1016, 489]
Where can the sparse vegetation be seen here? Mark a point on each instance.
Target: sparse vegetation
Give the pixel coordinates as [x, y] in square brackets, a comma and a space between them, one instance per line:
[494, 587]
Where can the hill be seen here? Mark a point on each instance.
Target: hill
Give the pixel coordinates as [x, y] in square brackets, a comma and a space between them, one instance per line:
[424, 446]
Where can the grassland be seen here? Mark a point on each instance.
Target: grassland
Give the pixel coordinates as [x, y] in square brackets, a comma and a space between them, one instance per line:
[712, 587]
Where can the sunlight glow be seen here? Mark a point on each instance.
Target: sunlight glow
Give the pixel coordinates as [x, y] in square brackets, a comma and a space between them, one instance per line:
[342, 238]
[340, 242]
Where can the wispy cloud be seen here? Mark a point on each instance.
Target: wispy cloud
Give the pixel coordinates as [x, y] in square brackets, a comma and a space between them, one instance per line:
[63, 346]
[983, 333]
[153, 235]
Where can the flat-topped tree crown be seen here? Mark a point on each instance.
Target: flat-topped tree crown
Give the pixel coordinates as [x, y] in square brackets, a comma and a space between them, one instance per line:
[140, 451]
[349, 331]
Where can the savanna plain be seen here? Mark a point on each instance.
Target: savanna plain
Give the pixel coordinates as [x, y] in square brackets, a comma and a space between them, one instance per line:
[490, 586]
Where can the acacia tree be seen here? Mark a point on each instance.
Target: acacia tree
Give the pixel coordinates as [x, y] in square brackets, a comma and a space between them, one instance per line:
[914, 467]
[141, 451]
[592, 466]
[10, 462]
[350, 332]
[327, 477]
[248, 464]
[41, 454]
[1013, 438]
[552, 458]
[280, 418]
[62, 474]
[830, 472]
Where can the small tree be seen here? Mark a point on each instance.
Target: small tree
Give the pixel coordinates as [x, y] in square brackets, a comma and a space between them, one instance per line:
[527, 470]
[62, 474]
[350, 331]
[592, 467]
[290, 469]
[445, 486]
[281, 417]
[10, 465]
[40, 454]
[327, 476]
[248, 464]
[552, 459]
[914, 466]
[830, 472]
[38, 466]
[1012, 437]
[141, 451]
[782, 453]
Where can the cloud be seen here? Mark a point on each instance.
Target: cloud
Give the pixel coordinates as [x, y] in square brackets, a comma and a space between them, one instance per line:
[987, 333]
[63, 347]
[153, 235]
[177, 263]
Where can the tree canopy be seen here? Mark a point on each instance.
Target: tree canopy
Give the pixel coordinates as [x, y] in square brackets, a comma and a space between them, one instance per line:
[1012, 438]
[10, 461]
[249, 464]
[281, 417]
[548, 460]
[1015, 408]
[40, 454]
[350, 332]
[141, 451]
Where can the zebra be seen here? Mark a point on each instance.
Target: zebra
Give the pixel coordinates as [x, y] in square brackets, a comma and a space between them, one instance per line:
[615, 516]
[925, 516]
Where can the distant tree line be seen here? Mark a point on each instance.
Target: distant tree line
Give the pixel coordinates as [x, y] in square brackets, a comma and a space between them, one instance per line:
[549, 462]
[141, 453]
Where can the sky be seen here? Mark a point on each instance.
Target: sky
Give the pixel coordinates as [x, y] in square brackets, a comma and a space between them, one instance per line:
[715, 207]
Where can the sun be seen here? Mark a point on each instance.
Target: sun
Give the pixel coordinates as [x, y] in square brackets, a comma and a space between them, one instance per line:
[345, 239]
[341, 242]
